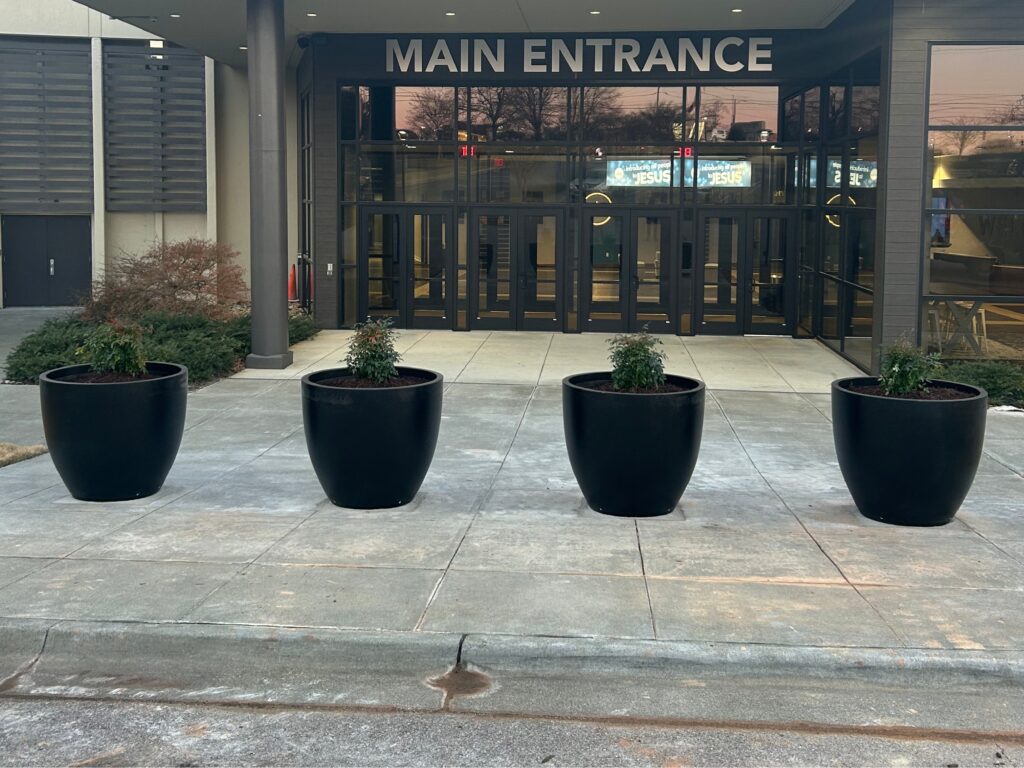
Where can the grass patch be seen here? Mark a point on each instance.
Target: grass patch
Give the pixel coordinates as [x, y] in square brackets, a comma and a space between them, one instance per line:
[1003, 380]
[12, 453]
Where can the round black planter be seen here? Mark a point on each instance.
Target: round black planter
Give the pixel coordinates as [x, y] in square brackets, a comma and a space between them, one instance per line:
[118, 441]
[908, 462]
[371, 448]
[632, 454]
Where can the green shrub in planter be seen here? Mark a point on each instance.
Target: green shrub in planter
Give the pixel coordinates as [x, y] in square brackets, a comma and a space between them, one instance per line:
[1003, 380]
[637, 364]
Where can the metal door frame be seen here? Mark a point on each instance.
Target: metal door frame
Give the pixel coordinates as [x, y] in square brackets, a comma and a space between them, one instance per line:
[406, 278]
[744, 324]
[629, 280]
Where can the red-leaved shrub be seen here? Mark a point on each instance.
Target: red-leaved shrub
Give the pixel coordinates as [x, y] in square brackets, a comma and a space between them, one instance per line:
[187, 277]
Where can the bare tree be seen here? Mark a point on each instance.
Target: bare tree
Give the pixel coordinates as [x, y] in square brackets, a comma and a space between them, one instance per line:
[1014, 114]
[596, 110]
[492, 103]
[432, 112]
[537, 109]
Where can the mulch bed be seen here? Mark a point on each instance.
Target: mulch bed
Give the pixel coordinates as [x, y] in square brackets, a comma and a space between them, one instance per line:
[351, 382]
[931, 393]
[607, 386]
[107, 378]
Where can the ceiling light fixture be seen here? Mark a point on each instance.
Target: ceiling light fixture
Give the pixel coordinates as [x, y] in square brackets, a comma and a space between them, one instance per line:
[243, 47]
[595, 13]
[449, 13]
[175, 15]
[737, 10]
[156, 43]
[311, 14]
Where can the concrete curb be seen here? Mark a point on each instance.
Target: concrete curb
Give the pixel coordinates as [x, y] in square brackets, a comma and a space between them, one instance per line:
[531, 676]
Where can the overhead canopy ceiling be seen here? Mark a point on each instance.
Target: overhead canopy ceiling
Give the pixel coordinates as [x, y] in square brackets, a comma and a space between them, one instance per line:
[216, 28]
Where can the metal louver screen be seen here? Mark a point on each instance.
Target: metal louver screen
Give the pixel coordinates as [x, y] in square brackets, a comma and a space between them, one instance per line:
[45, 126]
[154, 106]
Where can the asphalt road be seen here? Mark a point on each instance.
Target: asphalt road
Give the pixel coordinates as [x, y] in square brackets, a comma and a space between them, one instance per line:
[78, 733]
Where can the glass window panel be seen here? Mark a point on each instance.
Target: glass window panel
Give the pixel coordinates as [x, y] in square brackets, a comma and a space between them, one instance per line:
[348, 172]
[812, 114]
[835, 117]
[423, 114]
[626, 115]
[808, 239]
[862, 173]
[738, 113]
[859, 318]
[860, 267]
[830, 312]
[519, 113]
[977, 85]
[630, 175]
[834, 177]
[520, 175]
[832, 242]
[407, 173]
[808, 305]
[970, 329]
[864, 113]
[810, 175]
[977, 169]
[791, 127]
[348, 112]
[976, 254]
[765, 176]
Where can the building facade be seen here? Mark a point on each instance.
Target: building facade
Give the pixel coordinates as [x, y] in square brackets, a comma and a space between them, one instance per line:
[851, 171]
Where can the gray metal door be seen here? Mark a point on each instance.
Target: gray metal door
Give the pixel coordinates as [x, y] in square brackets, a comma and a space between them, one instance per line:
[47, 260]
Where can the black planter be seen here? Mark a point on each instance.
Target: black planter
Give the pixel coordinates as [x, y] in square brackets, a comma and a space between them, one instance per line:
[632, 454]
[908, 462]
[371, 448]
[118, 441]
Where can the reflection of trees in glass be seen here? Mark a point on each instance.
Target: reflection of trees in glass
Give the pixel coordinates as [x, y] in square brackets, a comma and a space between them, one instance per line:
[491, 107]
[431, 113]
[1013, 114]
[596, 109]
[865, 111]
[538, 112]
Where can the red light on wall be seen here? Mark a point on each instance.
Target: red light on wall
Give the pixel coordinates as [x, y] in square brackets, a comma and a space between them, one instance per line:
[465, 151]
[684, 152]
[499, 162]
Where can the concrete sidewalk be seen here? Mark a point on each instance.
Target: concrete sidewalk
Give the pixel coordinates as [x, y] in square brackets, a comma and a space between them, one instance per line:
[766, 560]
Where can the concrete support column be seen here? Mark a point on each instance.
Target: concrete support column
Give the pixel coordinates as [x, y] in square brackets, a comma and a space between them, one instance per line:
[268, 185]
[211, 151]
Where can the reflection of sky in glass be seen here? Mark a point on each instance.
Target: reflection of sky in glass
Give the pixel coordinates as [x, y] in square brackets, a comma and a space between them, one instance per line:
[975, 83]
[753, 103]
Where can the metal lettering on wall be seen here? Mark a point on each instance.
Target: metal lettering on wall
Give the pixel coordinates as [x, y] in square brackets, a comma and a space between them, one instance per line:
[590, 55]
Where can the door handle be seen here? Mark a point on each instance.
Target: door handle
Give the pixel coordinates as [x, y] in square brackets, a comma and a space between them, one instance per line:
[51, 267]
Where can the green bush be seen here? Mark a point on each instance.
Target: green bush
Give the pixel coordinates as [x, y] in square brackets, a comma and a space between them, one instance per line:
[53, 344]
[371, 351]
[202, 345]
[906, 369]
[115, 348]
[1003, 380]
[636, 363]
[208, 348]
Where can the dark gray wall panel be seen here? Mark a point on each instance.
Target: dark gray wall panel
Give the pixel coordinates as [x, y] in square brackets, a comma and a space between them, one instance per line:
[326, 301]
[915, 23]
[45, 126]
[154, 103]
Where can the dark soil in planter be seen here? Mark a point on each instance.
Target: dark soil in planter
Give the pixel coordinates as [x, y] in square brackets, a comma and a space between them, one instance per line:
[351, 382]
[932, 393]
[608, 386]
[107, 378]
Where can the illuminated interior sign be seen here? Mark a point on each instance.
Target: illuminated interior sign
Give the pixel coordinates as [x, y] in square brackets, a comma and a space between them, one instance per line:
[863, 174]
[639, 172]
[718, 173]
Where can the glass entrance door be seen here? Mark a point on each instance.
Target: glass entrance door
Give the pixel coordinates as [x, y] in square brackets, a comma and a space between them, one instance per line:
[405, 269]
[745, 266]
[630, 271]
[516, 270]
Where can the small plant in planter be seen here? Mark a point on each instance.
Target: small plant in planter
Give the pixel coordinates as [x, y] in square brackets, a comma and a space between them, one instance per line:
[371, 427]
[113, 424]
[908, 445]
[633, 433]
